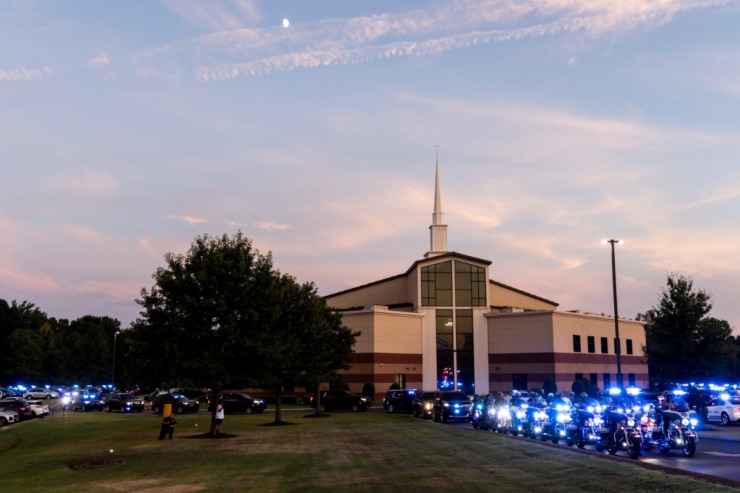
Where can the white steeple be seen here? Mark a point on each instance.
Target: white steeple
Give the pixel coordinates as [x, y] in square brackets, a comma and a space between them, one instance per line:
[438, 230]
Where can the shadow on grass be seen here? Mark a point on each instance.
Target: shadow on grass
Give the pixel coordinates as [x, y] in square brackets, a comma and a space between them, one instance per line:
[214, 437]
[93, 462]
[317, 415]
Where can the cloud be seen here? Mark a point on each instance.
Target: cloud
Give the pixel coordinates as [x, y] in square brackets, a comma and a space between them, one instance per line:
[99, 60]
[269, 226]
[90, 183]
[23, 73]
[188, 219]
[235, 51]
[215, 14]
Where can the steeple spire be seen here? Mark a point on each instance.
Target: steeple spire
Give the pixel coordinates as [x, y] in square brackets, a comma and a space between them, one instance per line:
[438, 230]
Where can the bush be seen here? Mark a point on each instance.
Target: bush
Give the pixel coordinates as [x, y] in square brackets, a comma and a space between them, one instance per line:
[578, 388]
[549, 386]
[368, 390]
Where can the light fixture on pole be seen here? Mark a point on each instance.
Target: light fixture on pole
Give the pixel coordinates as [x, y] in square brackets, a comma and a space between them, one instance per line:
[113, 373]
[617, 342]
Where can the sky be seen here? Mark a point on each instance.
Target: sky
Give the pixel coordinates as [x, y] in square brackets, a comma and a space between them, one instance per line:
[130, 128]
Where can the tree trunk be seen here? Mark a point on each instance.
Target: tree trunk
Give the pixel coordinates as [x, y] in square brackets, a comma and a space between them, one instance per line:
[278, 405]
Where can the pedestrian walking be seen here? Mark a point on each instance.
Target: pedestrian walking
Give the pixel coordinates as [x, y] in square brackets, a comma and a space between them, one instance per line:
[168, 426]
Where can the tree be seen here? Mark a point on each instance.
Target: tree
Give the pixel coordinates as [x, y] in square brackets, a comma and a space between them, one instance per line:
[305, 342]
[222, 317]
[683, 343]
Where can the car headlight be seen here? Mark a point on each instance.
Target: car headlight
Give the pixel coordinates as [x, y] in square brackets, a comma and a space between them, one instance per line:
[447, 404]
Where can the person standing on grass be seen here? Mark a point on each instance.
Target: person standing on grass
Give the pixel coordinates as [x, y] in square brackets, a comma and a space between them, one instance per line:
[219, 417]
[168, 426]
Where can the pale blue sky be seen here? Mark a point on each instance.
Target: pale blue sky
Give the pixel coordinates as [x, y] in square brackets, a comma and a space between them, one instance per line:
[128, 128]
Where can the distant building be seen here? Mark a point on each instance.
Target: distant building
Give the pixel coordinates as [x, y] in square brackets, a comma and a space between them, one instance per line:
[444, 323]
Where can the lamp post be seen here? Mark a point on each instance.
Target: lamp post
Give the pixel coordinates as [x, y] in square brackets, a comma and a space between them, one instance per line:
[113, 373]
[617, 342]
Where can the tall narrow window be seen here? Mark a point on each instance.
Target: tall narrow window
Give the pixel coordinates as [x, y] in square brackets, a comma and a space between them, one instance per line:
[604, 345]
[470, 285]
[400, 379]
[519, 381]
[607, 381]
[593, 378]
[631, 379]
[591, 344]
[436, 284]
[629, 346]
[445, 350]
[576, 343]
[464, 351]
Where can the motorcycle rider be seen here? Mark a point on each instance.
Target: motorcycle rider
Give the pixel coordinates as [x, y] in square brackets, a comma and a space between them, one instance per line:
[668, 403]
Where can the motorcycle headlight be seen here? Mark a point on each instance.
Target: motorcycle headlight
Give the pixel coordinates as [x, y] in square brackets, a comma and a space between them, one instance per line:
[562, 417]
[630, 422]
[492, 412]
[685, 421]
[521, 414]
[590, 409]
[694, 421]
[644, 419]
[504, 413]
[537, 415]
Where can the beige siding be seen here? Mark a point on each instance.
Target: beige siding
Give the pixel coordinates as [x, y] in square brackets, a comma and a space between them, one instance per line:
[500, 296]
[388, 292]
[528, 332]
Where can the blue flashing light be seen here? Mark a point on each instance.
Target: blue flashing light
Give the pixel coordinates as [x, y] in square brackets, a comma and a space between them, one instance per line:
[614, 391]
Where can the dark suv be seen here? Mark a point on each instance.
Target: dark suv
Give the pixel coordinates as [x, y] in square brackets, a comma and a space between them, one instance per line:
[180, 403]
[239, 402]
[339, 400]
[451, 405]
[400, 400]
[123, 402]
[424, 404]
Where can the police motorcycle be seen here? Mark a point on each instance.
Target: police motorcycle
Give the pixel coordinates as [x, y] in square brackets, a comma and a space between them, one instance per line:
[518, 424]
[672, 428]
[484, 414]
[476, 415]
[557, 419]
[535, 416]
[585, 422]
[618, 431]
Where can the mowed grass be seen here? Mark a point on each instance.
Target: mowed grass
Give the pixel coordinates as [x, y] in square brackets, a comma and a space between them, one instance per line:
[347, 452]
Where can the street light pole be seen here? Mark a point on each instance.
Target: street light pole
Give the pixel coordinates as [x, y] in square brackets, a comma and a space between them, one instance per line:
[113, 373]
[617, 342]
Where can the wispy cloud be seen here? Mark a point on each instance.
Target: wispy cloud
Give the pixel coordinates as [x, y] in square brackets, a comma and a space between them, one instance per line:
[269, 226]
[235, 51]
[188, 219]
[214, 14]
[88, 183]
[99, 61]
[24, 73]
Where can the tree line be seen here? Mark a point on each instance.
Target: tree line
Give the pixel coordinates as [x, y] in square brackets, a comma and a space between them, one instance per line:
[222, 316]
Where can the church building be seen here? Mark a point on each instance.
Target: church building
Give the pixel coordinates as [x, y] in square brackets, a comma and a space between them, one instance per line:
[444, 323]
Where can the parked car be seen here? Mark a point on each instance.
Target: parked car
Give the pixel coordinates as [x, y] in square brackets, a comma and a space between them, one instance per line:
[400, 400]
[239, 402]
[38, 408]
[87, 402]
[123, 402]
[424, 404]
[40, 393]
[19, 405]
[180, 403]
[725, 410]
[7, 416]
[451, 405]
[332, 400]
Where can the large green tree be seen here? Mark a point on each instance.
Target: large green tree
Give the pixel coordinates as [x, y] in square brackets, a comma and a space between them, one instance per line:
[222, 317]
[683, 343]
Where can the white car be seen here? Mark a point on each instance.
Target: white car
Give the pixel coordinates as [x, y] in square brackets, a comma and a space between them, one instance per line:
[8, 416]
[725, 409]
[38, 408]
[40, 393]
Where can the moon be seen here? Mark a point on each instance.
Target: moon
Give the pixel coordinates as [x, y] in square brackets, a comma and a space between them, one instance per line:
[286, 23]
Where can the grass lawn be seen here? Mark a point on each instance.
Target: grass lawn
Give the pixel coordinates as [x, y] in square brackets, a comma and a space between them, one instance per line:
[344, 452]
